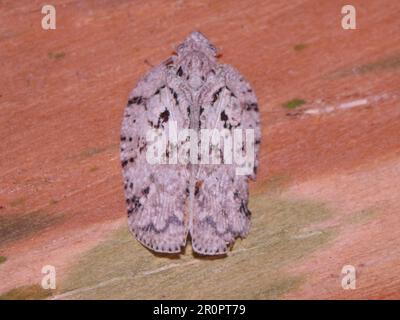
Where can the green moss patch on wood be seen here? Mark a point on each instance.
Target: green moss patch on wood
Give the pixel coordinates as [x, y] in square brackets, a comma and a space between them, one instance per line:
[20, 225]
[31, 292]
[120, 268]
[294, 103]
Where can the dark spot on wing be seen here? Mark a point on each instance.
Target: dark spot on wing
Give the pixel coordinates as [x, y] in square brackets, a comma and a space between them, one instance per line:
[244, 209]
[135, 202]
[164, 116]
[197, 187]
[146, 190]
[175, 95]
[179, 72]
[216, 95]
[154, 125]
[136, 100]
[252, 107]
[142, 147]
[227, 124]
[159, 90]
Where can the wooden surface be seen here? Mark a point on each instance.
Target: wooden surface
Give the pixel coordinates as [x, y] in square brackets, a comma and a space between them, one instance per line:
[327, 191]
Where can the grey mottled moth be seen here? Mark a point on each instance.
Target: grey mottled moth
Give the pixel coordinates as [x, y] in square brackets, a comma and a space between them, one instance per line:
[166, 203]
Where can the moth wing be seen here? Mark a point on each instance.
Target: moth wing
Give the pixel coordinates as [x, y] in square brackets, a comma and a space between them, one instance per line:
[221, 196]
[155, 193]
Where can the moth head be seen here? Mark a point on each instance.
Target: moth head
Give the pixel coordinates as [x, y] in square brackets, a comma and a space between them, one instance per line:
[196, 41]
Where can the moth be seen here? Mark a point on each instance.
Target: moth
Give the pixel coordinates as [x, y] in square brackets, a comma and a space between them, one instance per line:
[207, 201]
